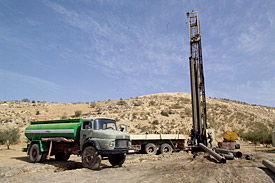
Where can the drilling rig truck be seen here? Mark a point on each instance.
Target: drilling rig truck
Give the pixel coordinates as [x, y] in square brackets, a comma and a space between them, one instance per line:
[93, 138]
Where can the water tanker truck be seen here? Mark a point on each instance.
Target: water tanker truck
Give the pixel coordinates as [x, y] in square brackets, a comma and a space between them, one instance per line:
[93, 138]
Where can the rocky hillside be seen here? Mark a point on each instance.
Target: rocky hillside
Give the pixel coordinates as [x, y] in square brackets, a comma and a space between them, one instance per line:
[164, 112]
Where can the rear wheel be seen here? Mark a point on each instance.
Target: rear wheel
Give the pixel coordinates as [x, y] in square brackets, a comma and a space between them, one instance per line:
[117, 159]
[166, 149]
[61, 156]
[90, 158]
[151, 149]
[35, 154]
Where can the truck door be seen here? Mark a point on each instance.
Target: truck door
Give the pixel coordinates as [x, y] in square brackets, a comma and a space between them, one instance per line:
[85, 132]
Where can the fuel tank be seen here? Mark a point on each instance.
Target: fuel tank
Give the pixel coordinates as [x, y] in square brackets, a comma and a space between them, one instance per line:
[56, 128]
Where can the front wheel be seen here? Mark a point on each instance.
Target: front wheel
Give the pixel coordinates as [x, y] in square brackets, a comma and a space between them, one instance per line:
[90, 158]
[117, 159]
[35, 154]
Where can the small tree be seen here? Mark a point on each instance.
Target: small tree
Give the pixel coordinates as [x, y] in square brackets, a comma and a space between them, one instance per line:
[25, 100]
[9, 137]
[77, 113]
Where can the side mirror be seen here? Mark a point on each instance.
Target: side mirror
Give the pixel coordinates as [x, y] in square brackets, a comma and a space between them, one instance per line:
[122, 127]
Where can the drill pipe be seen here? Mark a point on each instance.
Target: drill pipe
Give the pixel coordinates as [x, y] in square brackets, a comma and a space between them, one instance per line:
[229, 156]
[217, 156]
[237, 154]
[269, 165]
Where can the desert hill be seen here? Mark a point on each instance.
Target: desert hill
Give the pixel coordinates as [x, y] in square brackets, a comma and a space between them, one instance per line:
[164, 113]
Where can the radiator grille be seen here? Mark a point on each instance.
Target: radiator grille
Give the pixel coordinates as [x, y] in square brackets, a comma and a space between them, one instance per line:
[122, 143]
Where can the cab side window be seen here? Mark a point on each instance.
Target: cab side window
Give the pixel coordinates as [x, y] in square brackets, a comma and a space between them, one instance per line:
[87, 125]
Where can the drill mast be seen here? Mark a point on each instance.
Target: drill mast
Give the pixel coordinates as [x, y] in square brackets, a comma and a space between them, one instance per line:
[197, 78]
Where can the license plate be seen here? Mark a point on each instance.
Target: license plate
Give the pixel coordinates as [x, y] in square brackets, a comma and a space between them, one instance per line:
[131, 151]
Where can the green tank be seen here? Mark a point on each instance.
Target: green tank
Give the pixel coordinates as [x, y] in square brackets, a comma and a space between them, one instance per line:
[57, 128]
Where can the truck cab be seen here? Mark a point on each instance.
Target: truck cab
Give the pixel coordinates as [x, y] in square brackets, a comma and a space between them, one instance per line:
[104, 135]
[100, 136]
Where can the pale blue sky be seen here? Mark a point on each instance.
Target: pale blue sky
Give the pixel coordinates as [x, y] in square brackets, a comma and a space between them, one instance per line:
[69, 51]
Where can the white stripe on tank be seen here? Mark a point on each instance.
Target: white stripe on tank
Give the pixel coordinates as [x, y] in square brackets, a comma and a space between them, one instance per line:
[51, 131]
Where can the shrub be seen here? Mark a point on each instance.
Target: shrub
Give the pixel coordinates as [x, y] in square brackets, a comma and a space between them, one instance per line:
[258, 134]
[9, 137]
[77, 113]
[144, 129]
[121, 102]
[33, 101]
[132, 131]
[188, 111]
[137, 103]
[25, 100]
[93, 105]
[134, 115]
[176, 106]
[64, 116]
[37, 113]
[155, 122]
[182, 115]
[164, 113]
[152, 103]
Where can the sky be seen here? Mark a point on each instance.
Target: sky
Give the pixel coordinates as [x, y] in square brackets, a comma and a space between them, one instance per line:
[84, 51]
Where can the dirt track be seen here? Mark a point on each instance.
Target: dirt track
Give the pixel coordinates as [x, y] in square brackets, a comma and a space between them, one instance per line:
[178, 167]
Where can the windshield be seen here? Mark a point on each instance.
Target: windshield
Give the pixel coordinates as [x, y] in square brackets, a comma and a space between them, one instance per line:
[105, 124]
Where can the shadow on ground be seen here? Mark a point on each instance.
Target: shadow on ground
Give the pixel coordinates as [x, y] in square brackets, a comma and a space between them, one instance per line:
[268, 172]
[64, 165]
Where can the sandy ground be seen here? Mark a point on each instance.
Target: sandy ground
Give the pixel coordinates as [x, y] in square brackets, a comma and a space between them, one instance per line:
[178, 167]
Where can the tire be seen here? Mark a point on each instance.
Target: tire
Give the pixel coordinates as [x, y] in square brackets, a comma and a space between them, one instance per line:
[61, 156]
[151, 149]
[166, 149]
[44, 156]
[117, 159]
[237, 146]
[90, 158]
[35, 154]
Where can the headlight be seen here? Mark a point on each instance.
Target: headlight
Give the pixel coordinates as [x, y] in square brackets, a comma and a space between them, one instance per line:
[111, 144]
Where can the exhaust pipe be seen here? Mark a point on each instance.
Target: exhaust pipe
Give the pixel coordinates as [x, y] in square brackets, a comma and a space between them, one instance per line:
[215, 155]
[237, 154]
[269, 165]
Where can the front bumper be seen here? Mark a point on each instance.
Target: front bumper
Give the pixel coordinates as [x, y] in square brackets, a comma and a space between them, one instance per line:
[114, 151]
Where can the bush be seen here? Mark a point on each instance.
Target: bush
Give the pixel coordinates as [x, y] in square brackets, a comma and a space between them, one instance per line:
[37, 113]
[132, 131]
[9, 137]
[155, 122]
[144, 129]
[121, 102]
[258, 134]
[77, 113]
[182, 115]
[25, 100]
[93, 105]
[152, 103]
[176, 106]
[164, 113]
[185, 100]
[64, 116]
[138, 103]
[188, 111]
